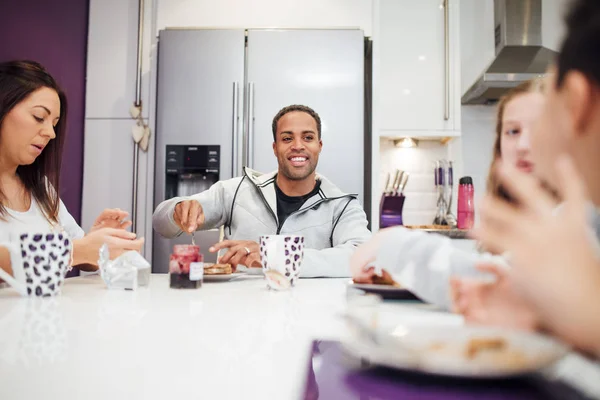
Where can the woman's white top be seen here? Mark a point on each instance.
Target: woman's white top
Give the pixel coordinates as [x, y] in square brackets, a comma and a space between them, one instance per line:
[33, 220]
[424, 262]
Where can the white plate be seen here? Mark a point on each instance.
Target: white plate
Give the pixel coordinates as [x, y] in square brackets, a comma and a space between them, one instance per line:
[372, 287]
[442, 351]
[254, 271]
[385, 291]
[223, 277]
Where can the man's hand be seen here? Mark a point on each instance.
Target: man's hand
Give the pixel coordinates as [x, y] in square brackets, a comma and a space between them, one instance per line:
[188, 215]
[244, 252]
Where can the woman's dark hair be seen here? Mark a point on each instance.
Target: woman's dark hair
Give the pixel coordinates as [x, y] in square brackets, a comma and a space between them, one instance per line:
[580, 50]
[18, 79]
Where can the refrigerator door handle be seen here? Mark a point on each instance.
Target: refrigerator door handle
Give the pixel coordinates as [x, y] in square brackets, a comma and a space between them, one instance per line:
[446, 6]
[235, 129]
[250, 143]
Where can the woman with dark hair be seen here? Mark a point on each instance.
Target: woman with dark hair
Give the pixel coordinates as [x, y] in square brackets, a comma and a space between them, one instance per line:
[33, 116]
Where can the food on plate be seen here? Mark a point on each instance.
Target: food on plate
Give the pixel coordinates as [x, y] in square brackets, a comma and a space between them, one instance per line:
[496, 351]
[435, 346]
[477, 345]
[385, 279]
[217, 269]
[491, 351]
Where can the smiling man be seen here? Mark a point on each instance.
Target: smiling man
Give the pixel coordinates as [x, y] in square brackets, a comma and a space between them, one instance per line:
[294, 200]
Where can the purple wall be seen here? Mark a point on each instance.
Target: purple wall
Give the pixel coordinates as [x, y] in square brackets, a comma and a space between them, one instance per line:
[55, 34]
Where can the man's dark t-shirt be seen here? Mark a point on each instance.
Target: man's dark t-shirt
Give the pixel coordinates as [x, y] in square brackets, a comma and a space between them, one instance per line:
[286, 205]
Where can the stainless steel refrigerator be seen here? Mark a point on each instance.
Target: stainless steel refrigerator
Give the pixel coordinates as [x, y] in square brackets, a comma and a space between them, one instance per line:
[218, 91]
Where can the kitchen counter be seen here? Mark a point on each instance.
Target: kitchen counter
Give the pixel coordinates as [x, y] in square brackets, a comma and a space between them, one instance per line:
[228, 340]
[451, 233]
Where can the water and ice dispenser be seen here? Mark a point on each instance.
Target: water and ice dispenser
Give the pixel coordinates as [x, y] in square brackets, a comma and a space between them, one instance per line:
[190, 169]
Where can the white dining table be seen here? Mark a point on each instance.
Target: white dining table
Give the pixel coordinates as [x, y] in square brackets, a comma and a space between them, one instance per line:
[225, 340]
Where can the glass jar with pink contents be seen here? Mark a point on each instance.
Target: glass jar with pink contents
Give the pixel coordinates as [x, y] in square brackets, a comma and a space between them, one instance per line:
[186, 267]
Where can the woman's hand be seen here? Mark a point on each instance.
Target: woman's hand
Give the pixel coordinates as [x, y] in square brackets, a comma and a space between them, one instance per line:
[111, 218]
[492, 303]
[554, 255]
[364, 257]
[87, 249]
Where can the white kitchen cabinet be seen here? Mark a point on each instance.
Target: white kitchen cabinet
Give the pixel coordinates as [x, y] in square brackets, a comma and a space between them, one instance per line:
[107, 168]
[416, 70]
[476, 40]
[112, 59]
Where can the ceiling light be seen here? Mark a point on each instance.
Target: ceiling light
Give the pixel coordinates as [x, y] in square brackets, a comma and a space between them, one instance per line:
[406, 143]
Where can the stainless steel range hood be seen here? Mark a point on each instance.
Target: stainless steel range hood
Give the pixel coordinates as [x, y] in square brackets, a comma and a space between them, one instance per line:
[520, 55]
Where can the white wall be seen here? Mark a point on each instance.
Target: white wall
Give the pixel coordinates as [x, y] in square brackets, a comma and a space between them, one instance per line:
[265, 13]
[553, 27]
[478, 134]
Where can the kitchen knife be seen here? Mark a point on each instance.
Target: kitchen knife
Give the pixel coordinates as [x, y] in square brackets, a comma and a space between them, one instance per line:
[395, 183]
[387, 184]
[404, 182]
[397, 188]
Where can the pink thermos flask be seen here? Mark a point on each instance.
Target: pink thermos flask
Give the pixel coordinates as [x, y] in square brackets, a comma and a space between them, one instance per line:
[466, 206]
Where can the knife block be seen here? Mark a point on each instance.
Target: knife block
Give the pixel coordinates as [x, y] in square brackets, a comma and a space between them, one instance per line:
[390, 210]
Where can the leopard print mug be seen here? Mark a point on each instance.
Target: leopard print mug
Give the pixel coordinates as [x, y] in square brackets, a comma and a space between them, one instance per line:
[281, 257]
[46, 259]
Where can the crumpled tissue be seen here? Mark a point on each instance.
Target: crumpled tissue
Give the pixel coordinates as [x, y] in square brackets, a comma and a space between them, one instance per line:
[128, 271]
